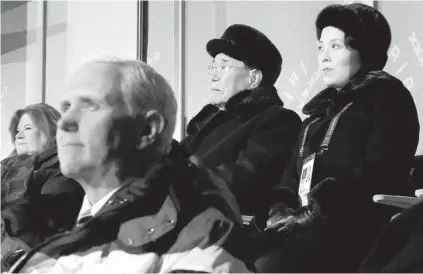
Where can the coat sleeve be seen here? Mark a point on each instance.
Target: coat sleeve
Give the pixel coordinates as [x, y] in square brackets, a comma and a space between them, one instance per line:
[52, 203]
[32, 219]
[264, 157]
[284, 192]
[385, 168]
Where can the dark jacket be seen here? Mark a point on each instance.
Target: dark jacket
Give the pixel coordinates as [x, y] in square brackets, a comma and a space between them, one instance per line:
[400, 247]
[27, 177]
[371, 152]
[249, 143]
[152, 225]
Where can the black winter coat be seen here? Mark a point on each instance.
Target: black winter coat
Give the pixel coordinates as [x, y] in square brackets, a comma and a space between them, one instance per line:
[27, 177]
[400, 247]
[371, 152]
[249, 143]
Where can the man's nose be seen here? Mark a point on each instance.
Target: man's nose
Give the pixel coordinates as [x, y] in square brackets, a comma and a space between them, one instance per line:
[68, 122]
[214, 77]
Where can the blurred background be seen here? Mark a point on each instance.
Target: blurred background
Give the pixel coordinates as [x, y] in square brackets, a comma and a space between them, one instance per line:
[42, 43]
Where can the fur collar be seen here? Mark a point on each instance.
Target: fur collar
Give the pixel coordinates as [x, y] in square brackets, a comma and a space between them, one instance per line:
[245, 104]
[254, 100]
[360, 85]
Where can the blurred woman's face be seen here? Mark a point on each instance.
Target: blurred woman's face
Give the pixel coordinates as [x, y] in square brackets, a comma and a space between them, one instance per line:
[29, 139]
[338, 62]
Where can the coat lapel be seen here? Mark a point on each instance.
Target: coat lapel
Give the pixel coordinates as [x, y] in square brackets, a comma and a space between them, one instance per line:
[234, 134]
[207, 127]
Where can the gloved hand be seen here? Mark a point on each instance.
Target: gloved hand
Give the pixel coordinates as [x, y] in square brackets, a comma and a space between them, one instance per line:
[277, 213]
[301, 217]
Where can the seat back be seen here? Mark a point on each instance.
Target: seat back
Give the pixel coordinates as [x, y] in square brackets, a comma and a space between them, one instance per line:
[417, 173]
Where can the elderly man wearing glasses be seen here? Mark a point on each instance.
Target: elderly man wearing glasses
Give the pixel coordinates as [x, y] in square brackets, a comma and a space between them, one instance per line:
[245, 134]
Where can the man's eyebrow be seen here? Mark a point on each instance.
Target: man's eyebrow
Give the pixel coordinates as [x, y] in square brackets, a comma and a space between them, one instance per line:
[83, 99]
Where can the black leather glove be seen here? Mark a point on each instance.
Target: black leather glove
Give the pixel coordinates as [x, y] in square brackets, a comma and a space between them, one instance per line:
[301, 217]
[277, 213]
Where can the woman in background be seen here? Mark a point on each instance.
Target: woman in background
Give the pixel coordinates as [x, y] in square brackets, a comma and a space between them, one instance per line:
[34, 163]
[359, 140]
[31, 170]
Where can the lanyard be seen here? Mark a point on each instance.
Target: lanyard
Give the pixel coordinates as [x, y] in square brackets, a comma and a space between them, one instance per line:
[325, 143]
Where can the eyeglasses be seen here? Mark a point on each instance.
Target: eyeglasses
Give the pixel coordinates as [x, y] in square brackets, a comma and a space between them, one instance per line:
[222, 69]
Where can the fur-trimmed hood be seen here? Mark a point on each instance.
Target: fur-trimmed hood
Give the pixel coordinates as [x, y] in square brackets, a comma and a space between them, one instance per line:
[246, 104]
[329, 98]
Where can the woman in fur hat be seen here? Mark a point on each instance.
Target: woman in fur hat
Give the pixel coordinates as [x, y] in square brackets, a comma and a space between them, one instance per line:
[359, 140]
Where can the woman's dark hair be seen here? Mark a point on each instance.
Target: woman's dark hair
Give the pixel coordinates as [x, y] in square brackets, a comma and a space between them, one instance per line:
[44, 117]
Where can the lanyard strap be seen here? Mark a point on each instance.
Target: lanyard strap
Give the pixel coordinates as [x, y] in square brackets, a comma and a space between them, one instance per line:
[325, 143]
[305, 136]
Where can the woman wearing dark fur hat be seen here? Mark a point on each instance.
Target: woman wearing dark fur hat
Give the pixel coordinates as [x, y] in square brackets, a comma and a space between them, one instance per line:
[359, 140]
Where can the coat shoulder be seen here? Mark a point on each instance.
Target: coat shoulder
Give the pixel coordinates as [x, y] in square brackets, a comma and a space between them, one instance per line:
[383, 84]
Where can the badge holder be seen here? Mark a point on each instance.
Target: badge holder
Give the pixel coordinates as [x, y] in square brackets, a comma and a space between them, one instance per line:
[306, 176]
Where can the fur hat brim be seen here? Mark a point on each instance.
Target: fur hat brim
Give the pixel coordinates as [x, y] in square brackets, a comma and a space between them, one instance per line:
[216, 46]
[340, 17]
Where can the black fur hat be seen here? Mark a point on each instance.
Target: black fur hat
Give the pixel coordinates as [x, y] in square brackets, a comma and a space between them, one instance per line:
[368, 31]
[250, 46]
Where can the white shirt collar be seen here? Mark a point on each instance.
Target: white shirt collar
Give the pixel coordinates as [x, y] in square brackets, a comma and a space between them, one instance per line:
[87, 206]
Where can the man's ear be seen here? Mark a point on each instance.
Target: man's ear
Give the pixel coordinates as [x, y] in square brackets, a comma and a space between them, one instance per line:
[255, 78]
[154, 126]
